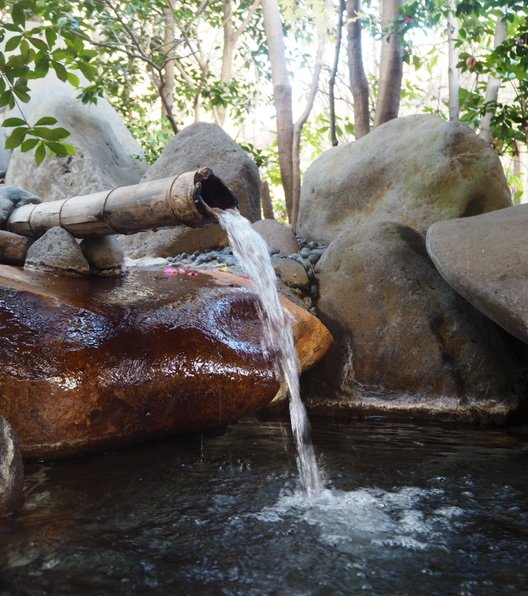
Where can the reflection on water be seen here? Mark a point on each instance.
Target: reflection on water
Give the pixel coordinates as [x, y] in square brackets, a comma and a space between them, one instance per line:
[411, 510]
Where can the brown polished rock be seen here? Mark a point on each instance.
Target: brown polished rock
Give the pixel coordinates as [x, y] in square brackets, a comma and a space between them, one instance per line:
[92, 363]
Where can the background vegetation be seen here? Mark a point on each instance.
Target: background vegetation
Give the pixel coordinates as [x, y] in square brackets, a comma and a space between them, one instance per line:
[286, 79]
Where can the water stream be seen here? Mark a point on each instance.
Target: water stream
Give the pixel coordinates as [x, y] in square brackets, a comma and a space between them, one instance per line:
[251, 251]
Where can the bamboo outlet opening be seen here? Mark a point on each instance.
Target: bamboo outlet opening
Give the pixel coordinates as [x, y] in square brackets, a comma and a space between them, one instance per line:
[213, 193]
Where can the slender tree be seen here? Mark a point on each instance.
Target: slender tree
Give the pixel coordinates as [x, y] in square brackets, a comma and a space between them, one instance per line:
[494, 83]
[333, 72]
[391, 64]
[358, 78]
[231, 35]
[282, 95]
[453, 74]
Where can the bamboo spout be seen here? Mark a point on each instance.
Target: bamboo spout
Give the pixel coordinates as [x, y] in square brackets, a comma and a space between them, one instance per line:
[188, 199]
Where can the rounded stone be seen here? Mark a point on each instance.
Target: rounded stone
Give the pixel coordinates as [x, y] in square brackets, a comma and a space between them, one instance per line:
[407, 343]
[13, 248]
[103, 252]
[57, 250]
[291, 272]
[98, 362]
[277, 236]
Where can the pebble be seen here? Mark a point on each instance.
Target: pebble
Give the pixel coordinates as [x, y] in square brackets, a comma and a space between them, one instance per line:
[308, 256]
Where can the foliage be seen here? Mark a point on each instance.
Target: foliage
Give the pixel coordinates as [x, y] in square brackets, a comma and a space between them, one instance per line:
[478, 59]
[30, 52]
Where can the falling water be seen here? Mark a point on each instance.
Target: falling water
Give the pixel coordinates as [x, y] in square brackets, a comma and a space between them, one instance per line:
[251, 251]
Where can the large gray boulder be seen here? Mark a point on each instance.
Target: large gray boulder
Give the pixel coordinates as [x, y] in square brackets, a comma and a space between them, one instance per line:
[405, 342]
[484, 258]
[203, 144]
[414, 170]
[11, 470]
[199, 145]
[107, 155]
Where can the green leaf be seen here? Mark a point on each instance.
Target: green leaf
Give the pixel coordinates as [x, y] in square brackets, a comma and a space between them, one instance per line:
[16, 137]
[41, 68]
[17, 14]
[5, 98]
[62, 54]
[88, 70]
[13, 43]
[60, 71]
[39, 43]
[73, 79]
[70, 149]
[46, 121]
[14, 122]
[11, 27]
[57, 148]
[40, 154]
[22, 95]
[50, 134]
[51, 36]
[28, 144]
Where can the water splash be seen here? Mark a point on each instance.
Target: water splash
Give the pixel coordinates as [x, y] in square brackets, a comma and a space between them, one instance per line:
[251, 251]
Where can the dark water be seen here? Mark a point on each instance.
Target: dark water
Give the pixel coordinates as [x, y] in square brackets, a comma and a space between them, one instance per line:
[412, 510]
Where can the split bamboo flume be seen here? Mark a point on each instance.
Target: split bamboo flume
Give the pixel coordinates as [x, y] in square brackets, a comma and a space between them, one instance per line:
[188, 199]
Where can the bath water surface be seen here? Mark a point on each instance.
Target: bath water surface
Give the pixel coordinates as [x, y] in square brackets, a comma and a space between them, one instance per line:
[410, 510]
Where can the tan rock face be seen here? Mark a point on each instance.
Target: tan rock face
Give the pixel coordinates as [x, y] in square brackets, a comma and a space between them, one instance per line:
[484, 259]
[414, 170]
[92, 363]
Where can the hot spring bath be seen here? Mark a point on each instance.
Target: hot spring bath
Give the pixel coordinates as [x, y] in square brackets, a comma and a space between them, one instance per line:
[412, 510]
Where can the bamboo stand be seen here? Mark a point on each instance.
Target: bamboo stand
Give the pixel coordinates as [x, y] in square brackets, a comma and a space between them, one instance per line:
[188, 199]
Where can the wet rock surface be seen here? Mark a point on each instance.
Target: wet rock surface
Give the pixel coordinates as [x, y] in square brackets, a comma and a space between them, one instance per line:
[11, 470]
[484, 259]
[109, 361]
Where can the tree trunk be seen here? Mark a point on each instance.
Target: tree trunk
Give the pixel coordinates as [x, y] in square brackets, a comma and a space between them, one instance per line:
[333, 72]
[227, 55]
[282, 95]
[265, 199]
[297, 130]
[231, 37]
[454, 85]
[391, 65]
[492, 88]
[166, 90]
[358, 78]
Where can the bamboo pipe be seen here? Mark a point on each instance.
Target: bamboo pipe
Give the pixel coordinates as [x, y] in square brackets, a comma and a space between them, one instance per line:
[188, 199]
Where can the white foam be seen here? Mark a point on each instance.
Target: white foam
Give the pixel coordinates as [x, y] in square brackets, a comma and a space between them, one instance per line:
[401, 518]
